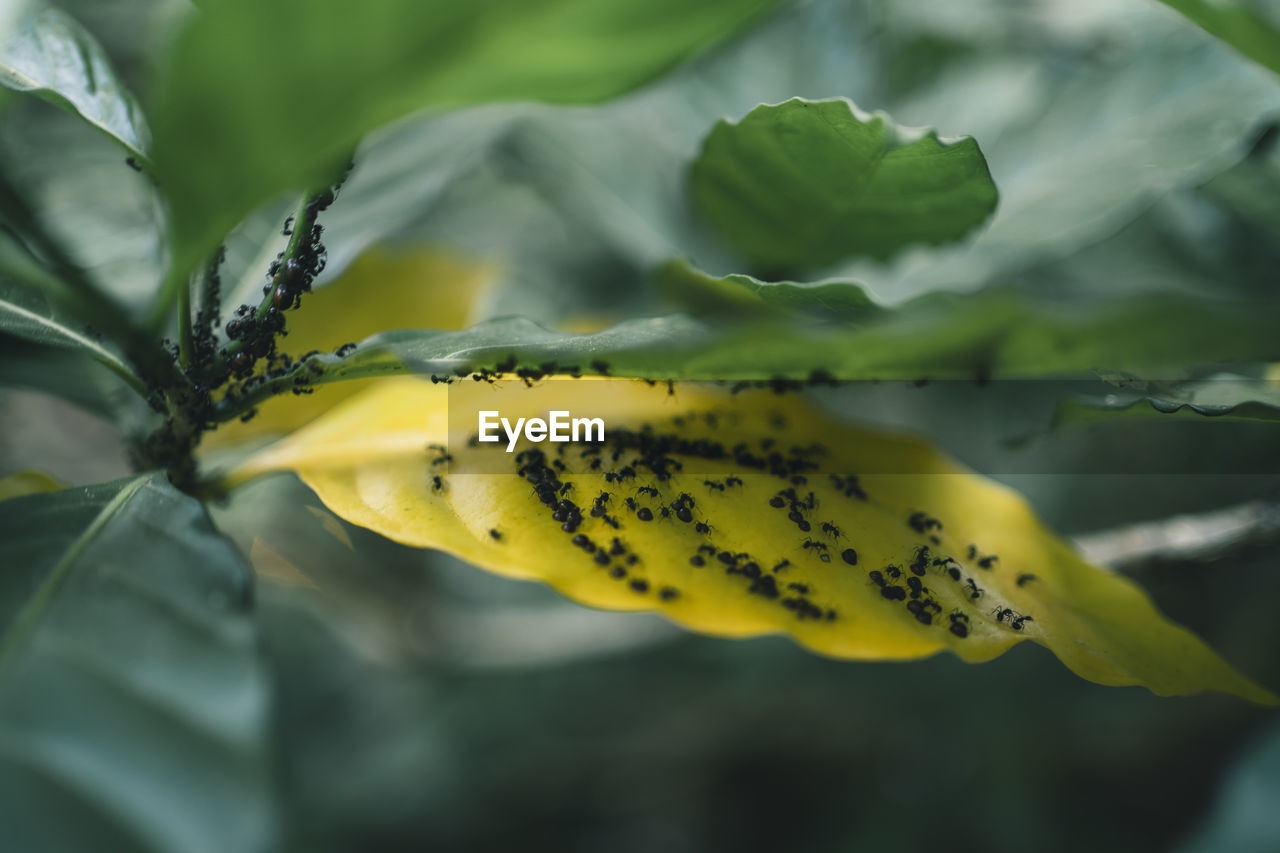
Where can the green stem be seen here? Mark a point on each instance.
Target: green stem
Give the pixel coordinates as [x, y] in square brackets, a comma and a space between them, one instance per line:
[186, 347]
[301, 375]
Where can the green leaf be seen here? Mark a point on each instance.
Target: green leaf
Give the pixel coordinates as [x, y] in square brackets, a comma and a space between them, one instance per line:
[73, 376]
[33, 316]
[1227, 397]
[804, 184]
[133, 701]
[54, 58]
[259, 98]
[1243, 24]
[1000, 332]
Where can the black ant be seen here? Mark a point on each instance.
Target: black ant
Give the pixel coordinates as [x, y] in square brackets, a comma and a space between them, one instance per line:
[1002, 613]
[893, 572]
[784, 564]
[702, 528]
[828, 527]
[713, 484]
[495, 535]
[987, 562]
[975, 591]
[917, 588]
[876, 578]
[732, 481]
[921, 561]
[631, 504]
[1024, 579]
[437, 484]
[893, 593]
[710, 549]
[809, 544]
[647, 490]
[1016, 623]
[802, 588]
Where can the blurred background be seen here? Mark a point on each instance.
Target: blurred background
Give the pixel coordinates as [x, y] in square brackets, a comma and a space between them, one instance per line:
[421, 703]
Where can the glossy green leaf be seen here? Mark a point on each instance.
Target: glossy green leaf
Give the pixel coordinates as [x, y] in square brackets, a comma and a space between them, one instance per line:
[805, 184]
[1226, 397]
[74, 376]
[32, 315]
[1246, 25]
[133, 703]
[51, 56]
[994, 333]
[259, 98]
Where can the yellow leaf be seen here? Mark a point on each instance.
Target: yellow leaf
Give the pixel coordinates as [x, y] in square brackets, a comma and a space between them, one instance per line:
[900, 516]
[22, 483]
[383, 289]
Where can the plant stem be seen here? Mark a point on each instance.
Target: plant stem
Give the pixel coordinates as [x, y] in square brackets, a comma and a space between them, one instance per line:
[306, 373]
[186, 349]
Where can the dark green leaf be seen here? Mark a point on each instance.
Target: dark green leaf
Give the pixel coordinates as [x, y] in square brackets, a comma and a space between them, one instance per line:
[51, 56]
[1226, 397]
[260, 98]
[31, 314]
[133, 702]
[1243, 24]
[804, 184]
[993, 333]
[68, 374]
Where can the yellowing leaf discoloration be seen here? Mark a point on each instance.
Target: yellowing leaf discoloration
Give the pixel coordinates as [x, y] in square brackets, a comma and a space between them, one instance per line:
[738, 516]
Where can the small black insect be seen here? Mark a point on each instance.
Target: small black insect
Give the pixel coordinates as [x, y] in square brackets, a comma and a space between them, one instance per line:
[1003, 613]
[710, 549]
[494, 534]
[893, 572]
[644, 514]
[702, 528]
[987, 562]
[959, 623]
[921, 561]
[664, 511]
[975, 591]
[437, 484]
[876, 577]
[802, 588]
[631, 504]
[777, 502]
[1025, 579]
[713, 484]
[696, 560]
[602, 559]
[647, 490]
[732, 481]
[668, 593]
[893, 593]
[640, 585]
[917, 588]
[850, 556]
[828, 527]
[784, 564]
[1016, 623]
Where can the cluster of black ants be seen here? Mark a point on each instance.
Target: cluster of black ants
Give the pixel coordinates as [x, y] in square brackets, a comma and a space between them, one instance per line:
[627, 453]
[251, 336]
